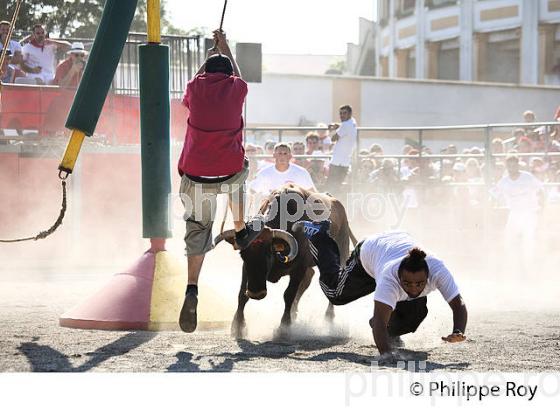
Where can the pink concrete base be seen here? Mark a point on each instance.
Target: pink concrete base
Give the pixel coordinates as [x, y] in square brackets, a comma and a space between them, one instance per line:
[123, 304]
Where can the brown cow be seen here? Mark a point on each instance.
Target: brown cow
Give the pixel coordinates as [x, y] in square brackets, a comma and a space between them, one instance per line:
[280, 251]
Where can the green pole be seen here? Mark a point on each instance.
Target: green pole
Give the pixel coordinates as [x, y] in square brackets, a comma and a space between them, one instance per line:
[104, 57]
[155, 140]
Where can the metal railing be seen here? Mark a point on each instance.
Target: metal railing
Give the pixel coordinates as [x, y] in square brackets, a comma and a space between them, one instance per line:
[487, 133]
[186, 54]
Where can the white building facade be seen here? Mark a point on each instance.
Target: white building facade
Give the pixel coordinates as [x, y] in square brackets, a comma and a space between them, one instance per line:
[510, 41]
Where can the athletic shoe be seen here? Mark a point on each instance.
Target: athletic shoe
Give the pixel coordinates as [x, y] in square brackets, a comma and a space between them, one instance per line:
[310, 229]
[187, 318]
[252, 231]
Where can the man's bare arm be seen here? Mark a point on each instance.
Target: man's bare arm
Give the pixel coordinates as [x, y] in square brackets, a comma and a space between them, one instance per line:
[460, 315]
[332, 128]
[60, 44]
[28, 69]
[379, 322]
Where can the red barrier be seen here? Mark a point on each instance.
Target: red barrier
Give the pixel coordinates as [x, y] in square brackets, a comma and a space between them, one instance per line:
[45, 108]
[104, 215]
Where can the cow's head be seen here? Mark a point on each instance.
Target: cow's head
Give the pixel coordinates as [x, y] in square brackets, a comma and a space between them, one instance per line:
[273, 251]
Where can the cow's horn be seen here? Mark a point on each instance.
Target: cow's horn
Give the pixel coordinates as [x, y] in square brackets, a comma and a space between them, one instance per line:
[290, 240]
[229, 234]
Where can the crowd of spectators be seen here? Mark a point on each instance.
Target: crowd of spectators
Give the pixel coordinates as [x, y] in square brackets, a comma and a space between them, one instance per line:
[39, 60]
[418, 173]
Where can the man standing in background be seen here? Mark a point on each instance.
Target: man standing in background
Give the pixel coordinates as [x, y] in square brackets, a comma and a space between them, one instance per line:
[344, 136]
[524, 196]
[14, 46]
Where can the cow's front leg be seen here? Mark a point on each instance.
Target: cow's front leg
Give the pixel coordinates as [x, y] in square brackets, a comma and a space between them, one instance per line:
[238, 325]
[304, 284]
[289, 296]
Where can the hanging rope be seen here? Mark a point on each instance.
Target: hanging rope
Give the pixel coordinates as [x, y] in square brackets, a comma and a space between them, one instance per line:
[223, 15]
[215, 48]
[44, 234]
[50, 231]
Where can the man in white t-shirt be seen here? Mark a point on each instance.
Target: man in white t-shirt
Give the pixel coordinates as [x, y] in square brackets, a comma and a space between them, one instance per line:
[344, 137]
[282, 172]
[13, 45]
[400, 273]
[39, 55]
[524, 196]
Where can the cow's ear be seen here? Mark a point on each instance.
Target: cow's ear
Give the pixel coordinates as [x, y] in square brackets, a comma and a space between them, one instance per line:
[279, 246]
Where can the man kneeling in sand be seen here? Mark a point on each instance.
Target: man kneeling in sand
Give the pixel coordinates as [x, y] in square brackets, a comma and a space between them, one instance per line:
[399, 272]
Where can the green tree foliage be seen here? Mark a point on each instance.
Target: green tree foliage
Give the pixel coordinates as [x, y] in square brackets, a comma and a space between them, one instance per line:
[75, 18]
[336, 67]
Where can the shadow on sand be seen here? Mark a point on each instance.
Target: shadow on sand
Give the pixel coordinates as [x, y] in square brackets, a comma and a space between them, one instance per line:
[186, 361]
[412, 361]
[46, 359]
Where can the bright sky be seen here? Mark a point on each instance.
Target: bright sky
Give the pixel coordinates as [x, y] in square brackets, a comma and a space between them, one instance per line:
[286, 26]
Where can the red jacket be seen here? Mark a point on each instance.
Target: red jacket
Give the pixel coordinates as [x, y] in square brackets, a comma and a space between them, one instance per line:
[214, 141]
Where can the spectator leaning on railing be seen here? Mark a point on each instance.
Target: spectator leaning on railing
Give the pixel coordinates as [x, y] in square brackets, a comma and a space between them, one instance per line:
[344, 137]
[298, 148]
[311, 142]
[366, 167]
[70, 71]
[497, 146]
[39, 55]
[535, 133]
[269, 150]
[325, 142]
[318, 170]
[13, 46]
[9, 72]
[523, 195]
[282, 172]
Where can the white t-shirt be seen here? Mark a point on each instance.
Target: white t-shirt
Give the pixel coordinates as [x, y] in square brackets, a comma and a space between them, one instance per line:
[44, 57]
[381, 256]
[342, 151]
[520, 195]
[268, 179]
[14, 46]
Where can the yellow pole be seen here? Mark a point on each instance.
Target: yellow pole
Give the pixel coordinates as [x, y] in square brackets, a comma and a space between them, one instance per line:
[77, 138]
[154, 29]
[71, 153]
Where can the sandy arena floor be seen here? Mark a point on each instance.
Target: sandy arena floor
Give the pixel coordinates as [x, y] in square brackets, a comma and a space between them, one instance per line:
[509, 329]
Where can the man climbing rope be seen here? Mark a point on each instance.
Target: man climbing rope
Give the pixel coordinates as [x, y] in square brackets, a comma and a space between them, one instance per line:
[212, 162]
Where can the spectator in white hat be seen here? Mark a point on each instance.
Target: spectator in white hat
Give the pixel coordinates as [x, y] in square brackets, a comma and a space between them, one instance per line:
[70, 71]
